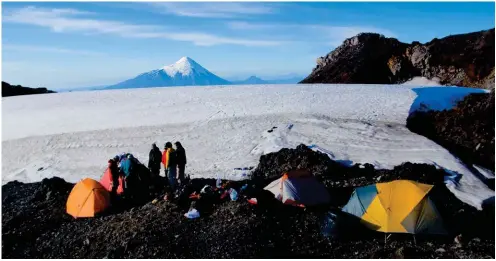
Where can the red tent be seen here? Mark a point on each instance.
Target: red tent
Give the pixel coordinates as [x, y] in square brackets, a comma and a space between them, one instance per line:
[106, 182]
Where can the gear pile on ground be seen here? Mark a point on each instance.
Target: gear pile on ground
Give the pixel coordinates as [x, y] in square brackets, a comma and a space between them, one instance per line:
[467, 130]
[35, 224]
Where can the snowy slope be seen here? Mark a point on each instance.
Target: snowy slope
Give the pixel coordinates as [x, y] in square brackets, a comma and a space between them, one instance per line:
[73, 134]
[185, 72]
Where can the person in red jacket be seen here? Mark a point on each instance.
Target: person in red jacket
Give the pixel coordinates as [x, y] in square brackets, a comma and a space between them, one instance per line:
[114, 172]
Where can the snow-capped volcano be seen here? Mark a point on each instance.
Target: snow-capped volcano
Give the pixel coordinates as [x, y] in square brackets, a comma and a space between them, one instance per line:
[184, 72]
[184, 66]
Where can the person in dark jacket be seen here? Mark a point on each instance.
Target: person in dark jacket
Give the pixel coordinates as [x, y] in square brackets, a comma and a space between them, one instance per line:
[181, 161]
[154, 160]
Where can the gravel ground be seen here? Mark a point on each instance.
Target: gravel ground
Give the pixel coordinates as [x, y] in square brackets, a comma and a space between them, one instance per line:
[35, 225]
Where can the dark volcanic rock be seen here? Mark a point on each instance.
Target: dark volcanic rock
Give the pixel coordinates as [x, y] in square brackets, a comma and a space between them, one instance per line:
[335, 174]
[467, 130]
[368, 58]
[36, 226]
[15, 90]
[360, 59]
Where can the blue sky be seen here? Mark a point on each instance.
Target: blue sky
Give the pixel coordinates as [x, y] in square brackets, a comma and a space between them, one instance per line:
[77, 44]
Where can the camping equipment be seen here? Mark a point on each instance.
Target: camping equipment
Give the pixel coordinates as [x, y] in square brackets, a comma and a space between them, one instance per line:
[192, 214]
[87, 198]
[400, 206]
[233, 194]
[252, 201]
[299, 188]
[218, 182]
[206, 189]
[194, 196]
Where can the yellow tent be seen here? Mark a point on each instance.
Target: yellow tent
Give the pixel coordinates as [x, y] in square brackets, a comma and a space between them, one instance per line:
[87, 198]
[400, 206]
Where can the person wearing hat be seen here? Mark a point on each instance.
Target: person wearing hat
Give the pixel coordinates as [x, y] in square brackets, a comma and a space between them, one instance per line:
[170, 164]
[181, 161]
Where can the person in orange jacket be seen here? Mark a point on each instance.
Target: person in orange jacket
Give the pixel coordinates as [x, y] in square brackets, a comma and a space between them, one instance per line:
[170, 164]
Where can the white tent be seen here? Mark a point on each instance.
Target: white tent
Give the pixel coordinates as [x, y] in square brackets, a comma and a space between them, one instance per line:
[300, 188]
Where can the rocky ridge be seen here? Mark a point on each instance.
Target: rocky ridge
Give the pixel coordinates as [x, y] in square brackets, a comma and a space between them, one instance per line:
[459, 60]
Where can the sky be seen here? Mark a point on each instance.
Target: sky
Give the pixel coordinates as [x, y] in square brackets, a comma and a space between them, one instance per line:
[62, 45]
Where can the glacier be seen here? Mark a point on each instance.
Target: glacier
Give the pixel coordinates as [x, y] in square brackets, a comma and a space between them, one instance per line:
[72, 135]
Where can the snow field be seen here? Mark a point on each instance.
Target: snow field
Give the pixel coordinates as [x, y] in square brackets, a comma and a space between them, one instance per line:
[72, 135]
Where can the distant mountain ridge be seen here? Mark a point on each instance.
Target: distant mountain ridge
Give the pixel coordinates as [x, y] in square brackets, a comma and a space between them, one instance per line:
[187, 72]
[253, 80]
[16, 90]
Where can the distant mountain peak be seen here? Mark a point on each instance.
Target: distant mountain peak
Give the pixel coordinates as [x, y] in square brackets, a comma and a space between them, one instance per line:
[184, 66]
[184, 59]
[252, 80]
[184, 72]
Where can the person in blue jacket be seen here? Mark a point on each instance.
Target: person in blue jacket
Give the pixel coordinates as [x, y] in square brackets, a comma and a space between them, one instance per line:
[126, 167]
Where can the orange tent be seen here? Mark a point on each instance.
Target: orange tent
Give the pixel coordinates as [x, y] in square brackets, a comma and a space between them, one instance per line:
[87, 198]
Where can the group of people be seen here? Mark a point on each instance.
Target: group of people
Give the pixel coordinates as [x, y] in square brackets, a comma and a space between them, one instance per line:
[173, 160]
[127, 167]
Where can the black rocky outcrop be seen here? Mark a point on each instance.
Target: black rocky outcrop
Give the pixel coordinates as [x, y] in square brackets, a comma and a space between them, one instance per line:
[368, 58]
[15, 90]
[467, 130]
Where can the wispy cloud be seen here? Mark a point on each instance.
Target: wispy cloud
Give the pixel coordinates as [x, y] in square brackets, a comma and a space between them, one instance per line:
[45, 49]
[241, 25]
[71, 20]
[203, 39]
[213, 10]
[334, 35]
[350, 31]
